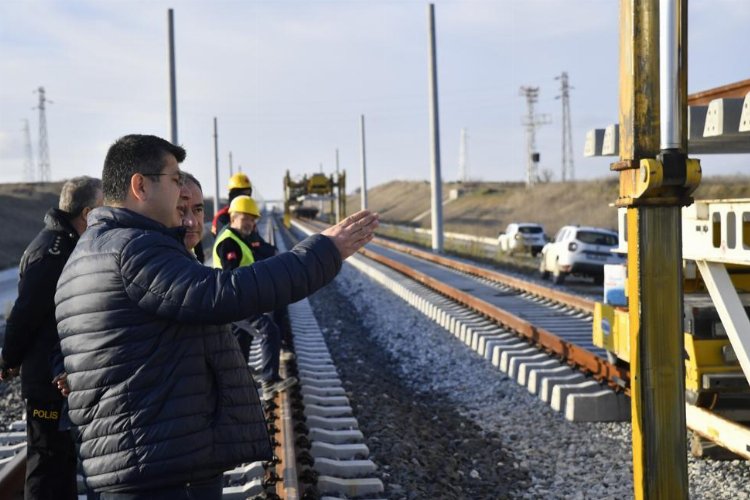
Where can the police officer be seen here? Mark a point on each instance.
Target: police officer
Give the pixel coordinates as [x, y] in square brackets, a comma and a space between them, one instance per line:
[31, 337]
[239, 244]
[239, 185]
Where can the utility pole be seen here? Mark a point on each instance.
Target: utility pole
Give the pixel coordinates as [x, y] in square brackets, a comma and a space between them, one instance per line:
[568, 168]
[44, 165]
[337, 193]
[363, 194]
[172, 79]
[231, 168]
[216, 166]
[28, 165]
[436, 201]
[531, 121]
[463, 157]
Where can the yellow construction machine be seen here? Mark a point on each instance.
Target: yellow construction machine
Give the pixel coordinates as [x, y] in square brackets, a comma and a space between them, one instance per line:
[716, 284]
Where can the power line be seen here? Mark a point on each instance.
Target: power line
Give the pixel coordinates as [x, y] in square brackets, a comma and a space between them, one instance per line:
[531, 121]
[568, 167]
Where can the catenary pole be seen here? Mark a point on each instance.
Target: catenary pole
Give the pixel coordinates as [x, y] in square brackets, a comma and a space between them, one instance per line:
[216, 166]
[364, 162]
[437, 185]
[172, 81]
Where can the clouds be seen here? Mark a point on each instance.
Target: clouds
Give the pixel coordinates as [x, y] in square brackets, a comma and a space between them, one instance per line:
[288, 80]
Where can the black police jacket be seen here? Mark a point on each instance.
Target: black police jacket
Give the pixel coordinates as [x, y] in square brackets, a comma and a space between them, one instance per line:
[31, 329]
[160, 392]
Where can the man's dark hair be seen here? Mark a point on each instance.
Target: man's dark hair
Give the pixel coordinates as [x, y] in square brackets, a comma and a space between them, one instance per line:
[191, 178]
[79, 193]
[134, 154]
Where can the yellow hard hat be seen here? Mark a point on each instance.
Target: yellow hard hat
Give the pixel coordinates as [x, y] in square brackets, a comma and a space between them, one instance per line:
[244, 204]
[239, 181]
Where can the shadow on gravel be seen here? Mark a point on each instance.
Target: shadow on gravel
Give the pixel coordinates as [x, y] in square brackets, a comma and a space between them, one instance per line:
[423, 448]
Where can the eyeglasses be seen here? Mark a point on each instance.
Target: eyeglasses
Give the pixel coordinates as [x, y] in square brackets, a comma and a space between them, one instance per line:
[181, 177]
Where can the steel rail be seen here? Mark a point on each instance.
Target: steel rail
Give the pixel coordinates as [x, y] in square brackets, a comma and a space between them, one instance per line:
[13, 476]
[736, 90]
[565, 298]
[616, 377]
[286, 469]
[586, 361]
[713, 427]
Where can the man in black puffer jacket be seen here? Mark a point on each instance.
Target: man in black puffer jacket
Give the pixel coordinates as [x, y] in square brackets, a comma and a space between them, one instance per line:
[31, 337]
[160, 393]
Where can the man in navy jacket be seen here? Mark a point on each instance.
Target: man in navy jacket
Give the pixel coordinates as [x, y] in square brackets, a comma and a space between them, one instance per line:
[160, 392]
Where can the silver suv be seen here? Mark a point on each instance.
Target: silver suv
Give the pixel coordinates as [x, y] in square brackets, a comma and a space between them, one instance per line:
[581, 251]
[522, 237]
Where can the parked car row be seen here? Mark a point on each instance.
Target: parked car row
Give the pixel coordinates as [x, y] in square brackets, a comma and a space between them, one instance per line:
[575, 250]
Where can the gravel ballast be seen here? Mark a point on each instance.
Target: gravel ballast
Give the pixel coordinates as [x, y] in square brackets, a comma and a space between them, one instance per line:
[441, 422]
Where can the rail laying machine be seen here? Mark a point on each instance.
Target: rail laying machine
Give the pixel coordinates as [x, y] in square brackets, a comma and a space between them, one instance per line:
[716, 284]
[306, 197]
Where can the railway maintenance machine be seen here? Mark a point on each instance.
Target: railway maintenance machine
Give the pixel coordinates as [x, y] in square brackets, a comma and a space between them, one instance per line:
[716, 284]
[306, 197]
[657, 179]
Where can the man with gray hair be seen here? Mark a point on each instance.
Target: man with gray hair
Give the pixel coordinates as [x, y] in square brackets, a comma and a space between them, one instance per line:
[31, 337]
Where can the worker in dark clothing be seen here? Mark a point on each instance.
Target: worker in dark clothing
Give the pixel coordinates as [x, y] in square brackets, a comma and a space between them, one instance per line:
[239, 185]
[31, 337]
[239, 244]
[262, 250]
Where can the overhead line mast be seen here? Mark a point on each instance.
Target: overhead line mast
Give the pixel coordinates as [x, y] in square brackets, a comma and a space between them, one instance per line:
[531, 121]
[28, 166]
[44, 164]
[568, 167]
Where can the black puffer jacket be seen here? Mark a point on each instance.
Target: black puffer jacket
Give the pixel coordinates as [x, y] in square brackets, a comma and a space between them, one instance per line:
[160, 391]
[31, 330]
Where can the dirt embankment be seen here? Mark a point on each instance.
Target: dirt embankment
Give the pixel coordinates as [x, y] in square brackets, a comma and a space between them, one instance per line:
[482, 208]
[22, 209]
[486, 208]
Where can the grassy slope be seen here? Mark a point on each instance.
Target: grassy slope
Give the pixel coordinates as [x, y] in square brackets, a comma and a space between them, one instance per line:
[486, 208]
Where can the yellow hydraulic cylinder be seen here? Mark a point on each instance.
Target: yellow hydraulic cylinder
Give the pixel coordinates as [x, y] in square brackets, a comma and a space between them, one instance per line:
[654, 193]
[657, 380]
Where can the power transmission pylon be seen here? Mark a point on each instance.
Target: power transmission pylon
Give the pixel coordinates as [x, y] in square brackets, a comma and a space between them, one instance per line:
[531, 121]
[44, 165]
[28, 165]
[463, 157]
[568, 168]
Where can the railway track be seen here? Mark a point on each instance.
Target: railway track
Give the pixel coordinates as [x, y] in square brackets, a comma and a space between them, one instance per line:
[320, 449]
[539, 336]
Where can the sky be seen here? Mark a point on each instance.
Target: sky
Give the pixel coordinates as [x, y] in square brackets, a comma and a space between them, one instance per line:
[288, 81]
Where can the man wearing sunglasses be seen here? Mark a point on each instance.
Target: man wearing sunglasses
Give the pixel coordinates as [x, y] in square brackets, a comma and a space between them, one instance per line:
[159, 391]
